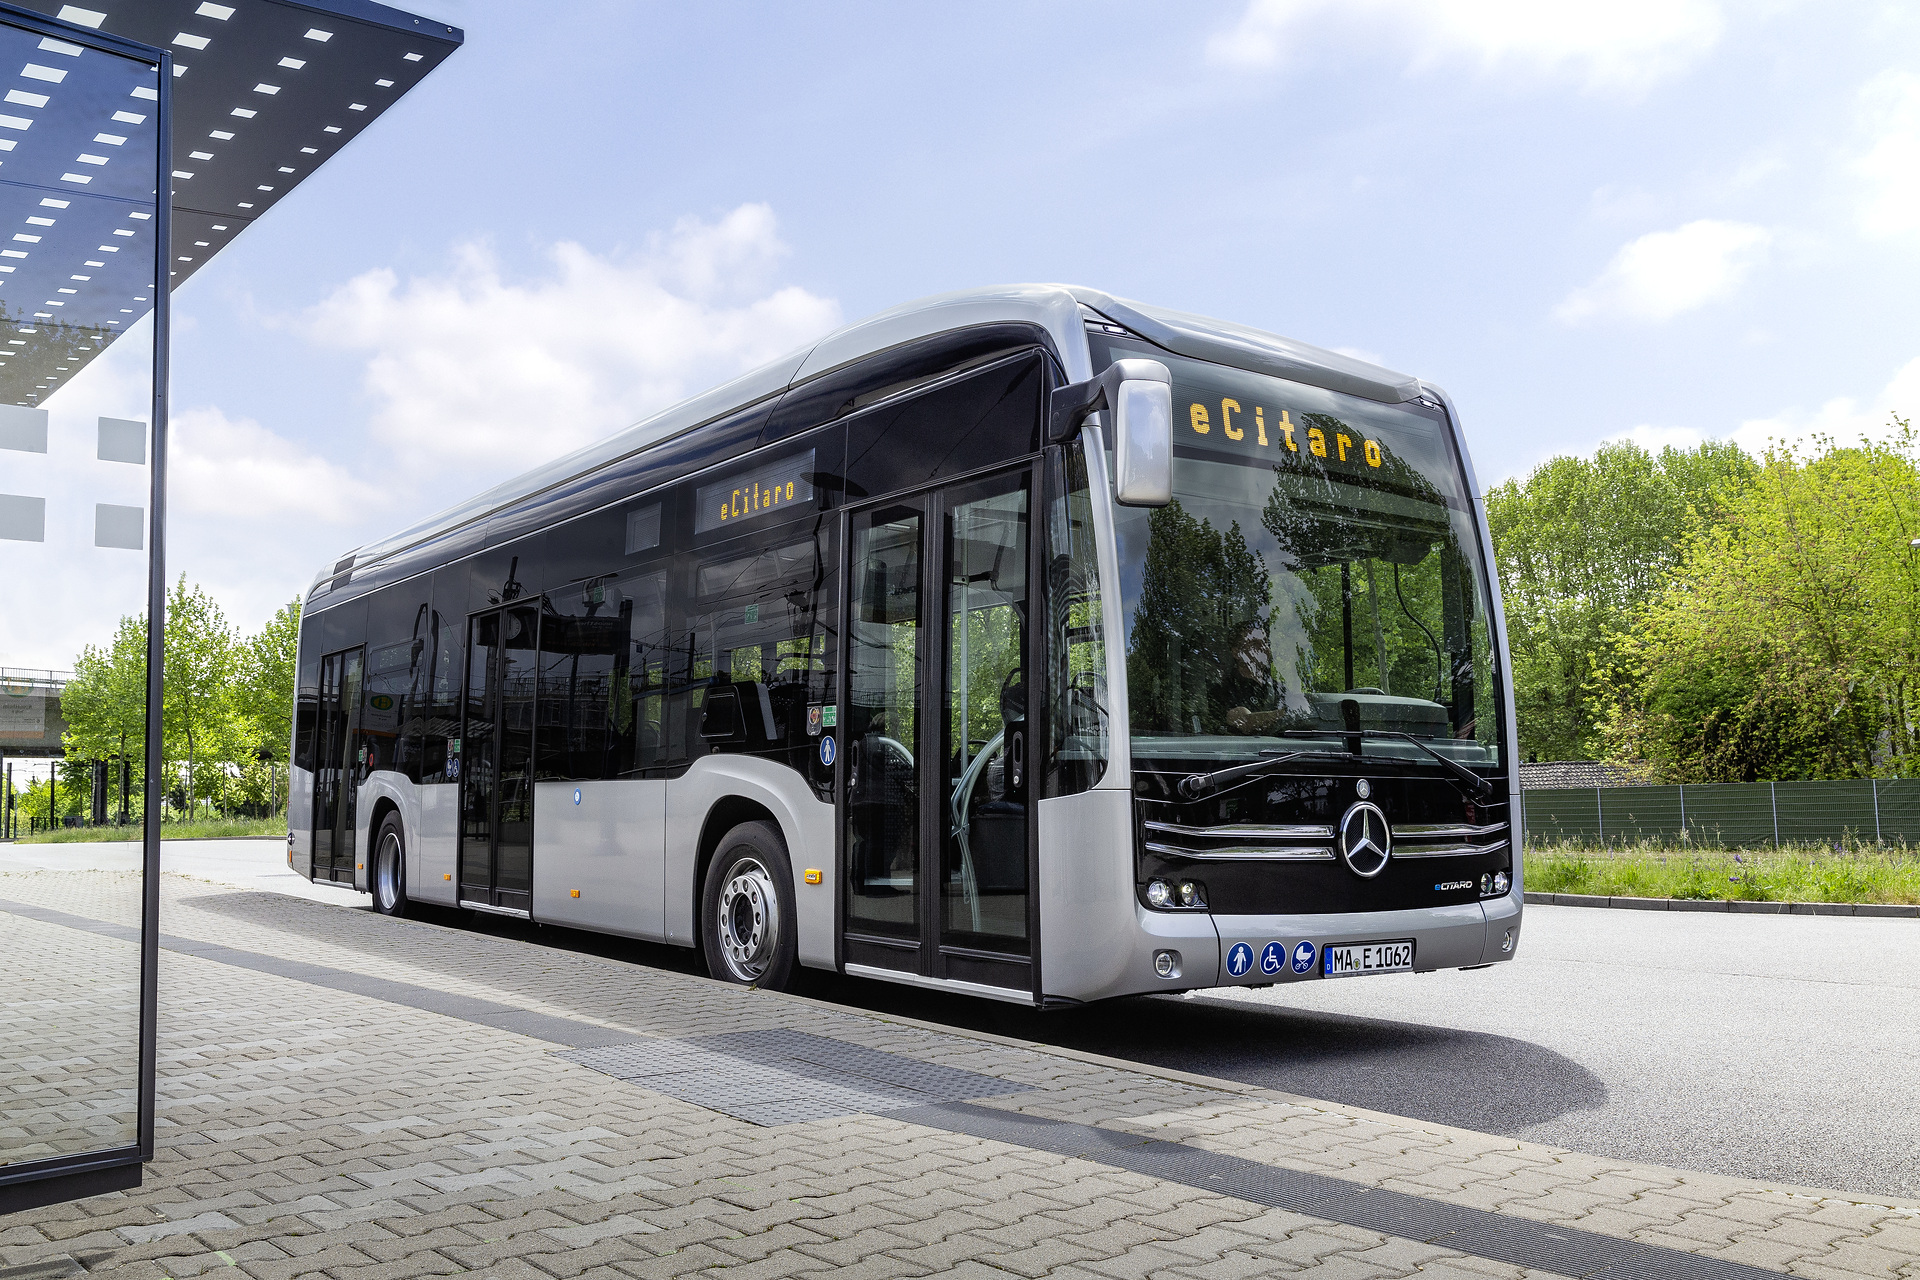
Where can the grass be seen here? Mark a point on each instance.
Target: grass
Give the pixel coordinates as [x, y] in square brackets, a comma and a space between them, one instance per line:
[1793, 873]
[205, 829]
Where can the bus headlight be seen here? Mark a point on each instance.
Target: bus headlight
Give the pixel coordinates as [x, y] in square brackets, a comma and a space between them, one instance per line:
[1501, 882]
[1176, 895]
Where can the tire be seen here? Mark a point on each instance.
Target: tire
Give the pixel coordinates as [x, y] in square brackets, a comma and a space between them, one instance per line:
[748, 929]
[388, 879]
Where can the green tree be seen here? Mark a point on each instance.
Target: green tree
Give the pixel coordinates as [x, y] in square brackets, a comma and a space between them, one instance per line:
[1786, 643]
[1581, 544]
[264, 681]
[203, 724]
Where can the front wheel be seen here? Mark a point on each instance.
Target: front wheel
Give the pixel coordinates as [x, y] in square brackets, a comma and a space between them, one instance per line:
[390, 868]
[748, 930]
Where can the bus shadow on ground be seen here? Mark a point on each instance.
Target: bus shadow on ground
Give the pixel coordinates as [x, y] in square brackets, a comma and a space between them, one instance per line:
[1467, 1079]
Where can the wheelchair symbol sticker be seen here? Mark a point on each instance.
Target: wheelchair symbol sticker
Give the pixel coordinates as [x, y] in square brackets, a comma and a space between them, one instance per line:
[1273, 957]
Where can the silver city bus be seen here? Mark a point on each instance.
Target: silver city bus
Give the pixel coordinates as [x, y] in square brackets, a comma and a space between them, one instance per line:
[1023, 642]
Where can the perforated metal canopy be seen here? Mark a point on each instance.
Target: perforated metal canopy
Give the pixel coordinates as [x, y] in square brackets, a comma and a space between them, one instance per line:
[264, 93]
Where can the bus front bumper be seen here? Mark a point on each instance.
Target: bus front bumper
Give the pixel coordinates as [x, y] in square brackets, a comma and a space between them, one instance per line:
[1206, 950]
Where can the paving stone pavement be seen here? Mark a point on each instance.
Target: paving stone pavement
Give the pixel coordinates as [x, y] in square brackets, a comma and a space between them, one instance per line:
[306, 1130]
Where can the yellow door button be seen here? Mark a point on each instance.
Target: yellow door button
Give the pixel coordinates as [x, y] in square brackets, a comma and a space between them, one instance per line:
[813, 875]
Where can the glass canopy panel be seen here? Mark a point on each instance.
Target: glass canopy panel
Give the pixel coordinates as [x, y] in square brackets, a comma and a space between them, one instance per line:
[79, 156]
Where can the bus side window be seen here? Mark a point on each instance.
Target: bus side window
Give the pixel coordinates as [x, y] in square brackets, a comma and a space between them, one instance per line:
[1079, 748]
[984, 418]
[766, 621]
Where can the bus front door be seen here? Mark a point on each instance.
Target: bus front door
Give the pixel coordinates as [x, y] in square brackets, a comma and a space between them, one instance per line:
[937, 822]
[496, 760]
[338, 760]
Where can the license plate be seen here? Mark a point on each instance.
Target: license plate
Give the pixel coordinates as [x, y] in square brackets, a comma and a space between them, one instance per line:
[1368, 957]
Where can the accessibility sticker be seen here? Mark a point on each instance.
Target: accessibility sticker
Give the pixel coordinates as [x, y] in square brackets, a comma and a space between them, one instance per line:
[576, 795]
[826, 750]
[1239, 960]
[1273, 957]
[1303, 958]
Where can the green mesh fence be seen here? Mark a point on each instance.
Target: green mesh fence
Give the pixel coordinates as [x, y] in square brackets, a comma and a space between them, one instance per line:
[1729, 814]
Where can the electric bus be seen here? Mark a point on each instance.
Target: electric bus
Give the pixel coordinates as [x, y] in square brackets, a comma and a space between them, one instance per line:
[1023, 642]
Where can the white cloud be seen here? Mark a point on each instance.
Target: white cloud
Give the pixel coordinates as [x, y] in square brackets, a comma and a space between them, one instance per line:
[1843, 420]
[1624, 45]
[479, 377]
[1665, 273]
[1889, 169]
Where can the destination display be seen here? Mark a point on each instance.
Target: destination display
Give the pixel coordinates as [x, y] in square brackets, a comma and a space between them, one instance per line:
[771, 487]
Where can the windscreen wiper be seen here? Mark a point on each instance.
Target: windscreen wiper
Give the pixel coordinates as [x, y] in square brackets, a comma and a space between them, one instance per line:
[1196, 785]
[1481, 787]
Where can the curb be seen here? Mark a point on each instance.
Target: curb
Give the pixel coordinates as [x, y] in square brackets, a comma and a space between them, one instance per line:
[1883, 910]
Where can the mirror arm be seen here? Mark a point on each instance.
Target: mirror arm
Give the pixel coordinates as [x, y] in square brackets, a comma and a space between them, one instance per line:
[1072, 403]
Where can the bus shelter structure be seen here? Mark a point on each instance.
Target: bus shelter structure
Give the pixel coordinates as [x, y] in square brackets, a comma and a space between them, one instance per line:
[138, 138]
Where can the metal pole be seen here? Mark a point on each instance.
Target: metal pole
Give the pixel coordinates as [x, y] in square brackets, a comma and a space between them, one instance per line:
[156, 604]
[1875, 784]
[1683, 809]
[1599, 815]
[1774, 795]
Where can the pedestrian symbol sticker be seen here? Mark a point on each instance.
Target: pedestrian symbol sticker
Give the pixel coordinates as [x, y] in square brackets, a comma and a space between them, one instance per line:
[1239, 960]
[1303, 958]
[576, 795]
[1273, 958]
[826, 750]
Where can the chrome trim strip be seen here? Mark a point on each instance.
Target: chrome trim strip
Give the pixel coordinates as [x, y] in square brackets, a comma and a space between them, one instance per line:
[515, 912]
[1444, 831]
[1261, 853]
[1447, 850]
[1246, 830]
[1008, 994]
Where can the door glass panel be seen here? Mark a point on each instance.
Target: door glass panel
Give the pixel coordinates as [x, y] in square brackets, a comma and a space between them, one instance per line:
[983, 885]
[337, 765]
[353, 766]
[886, 657]
[513, 826]
[476, 756]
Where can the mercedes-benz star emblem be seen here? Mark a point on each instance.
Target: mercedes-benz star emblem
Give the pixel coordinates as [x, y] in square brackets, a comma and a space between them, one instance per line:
[1366, 841]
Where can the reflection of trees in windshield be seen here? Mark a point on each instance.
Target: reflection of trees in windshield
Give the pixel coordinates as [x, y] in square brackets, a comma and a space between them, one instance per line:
[1365, 590]
[1201, 634]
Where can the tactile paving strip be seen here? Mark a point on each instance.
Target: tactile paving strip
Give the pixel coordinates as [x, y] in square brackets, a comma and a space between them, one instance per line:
[780, 1076]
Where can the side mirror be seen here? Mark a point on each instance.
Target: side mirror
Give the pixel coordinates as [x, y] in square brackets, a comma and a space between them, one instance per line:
[1138, 395]
[1142, 401]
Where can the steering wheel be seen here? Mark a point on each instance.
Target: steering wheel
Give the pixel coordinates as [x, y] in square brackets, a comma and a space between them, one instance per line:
[1011, 710]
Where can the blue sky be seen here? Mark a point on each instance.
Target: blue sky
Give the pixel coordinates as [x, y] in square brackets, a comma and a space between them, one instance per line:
[1673, 220]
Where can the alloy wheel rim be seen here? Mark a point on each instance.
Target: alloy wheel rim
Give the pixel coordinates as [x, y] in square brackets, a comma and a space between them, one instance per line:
[748, 921]
[386, 872]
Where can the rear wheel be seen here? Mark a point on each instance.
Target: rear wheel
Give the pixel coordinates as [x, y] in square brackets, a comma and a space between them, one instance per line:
[390, 868]
[748, 930]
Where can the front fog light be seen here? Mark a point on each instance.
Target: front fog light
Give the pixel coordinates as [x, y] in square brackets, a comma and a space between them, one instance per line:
[1159, 894]
[1166, 963]
[1501, 882]
[1506, 942]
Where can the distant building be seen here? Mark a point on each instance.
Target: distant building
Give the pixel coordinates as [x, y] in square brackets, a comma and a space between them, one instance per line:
[1547, 775]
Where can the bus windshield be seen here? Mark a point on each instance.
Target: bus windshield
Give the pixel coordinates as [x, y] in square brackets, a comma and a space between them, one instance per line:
[1317, 572]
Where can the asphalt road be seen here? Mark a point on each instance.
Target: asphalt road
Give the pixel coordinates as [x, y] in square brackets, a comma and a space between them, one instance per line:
[1784, 1048]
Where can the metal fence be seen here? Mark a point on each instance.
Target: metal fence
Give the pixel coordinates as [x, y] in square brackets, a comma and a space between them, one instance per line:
[1729, 814]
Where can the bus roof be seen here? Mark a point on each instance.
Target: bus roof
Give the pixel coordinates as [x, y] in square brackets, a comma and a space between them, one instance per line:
[1061, 310]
